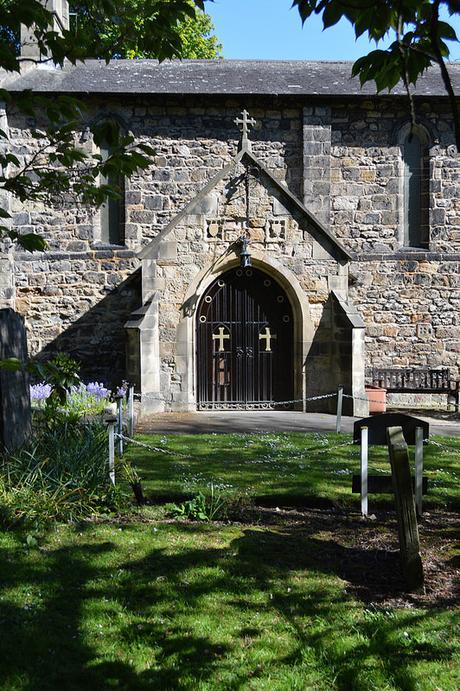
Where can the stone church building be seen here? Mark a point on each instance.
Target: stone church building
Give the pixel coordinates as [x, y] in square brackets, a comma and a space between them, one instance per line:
[288, 235]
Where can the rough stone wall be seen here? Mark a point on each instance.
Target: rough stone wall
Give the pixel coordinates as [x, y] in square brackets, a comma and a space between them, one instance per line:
[366, 176]
[408, 298]
[193, 142]
[64, 293]
[411, 310]
[7, 288]
[317, 134]
[78, 303]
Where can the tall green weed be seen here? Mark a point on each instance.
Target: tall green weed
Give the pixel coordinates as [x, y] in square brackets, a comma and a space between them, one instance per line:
[63, 476]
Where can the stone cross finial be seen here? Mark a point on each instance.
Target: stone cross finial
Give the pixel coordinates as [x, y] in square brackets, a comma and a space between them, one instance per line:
[245, 123]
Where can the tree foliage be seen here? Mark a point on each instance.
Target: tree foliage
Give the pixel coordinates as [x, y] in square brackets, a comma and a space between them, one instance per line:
[191, 35]
[62, 166]
[420, 39]
[197, 38]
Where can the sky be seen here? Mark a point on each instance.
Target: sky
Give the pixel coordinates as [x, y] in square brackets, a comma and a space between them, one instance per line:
[270, 29]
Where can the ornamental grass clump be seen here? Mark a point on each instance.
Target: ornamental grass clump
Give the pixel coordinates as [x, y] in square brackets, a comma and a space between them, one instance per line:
[63, 476]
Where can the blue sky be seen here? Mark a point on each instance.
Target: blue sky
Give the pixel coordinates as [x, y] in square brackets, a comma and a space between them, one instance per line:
[270, 29]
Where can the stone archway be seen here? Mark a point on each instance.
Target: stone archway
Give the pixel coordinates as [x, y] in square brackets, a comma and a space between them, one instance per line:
[244, 336]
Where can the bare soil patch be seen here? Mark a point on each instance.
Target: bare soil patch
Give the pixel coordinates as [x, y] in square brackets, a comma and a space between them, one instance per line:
[365, 552]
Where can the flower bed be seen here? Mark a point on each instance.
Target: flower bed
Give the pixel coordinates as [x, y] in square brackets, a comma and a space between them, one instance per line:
[82, 400]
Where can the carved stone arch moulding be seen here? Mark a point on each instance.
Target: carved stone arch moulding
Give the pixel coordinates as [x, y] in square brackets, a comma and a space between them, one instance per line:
[186, 336]
[423, 128]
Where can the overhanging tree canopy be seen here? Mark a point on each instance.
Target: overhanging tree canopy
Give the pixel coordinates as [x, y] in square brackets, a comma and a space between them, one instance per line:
[60, 164]
[420, 39]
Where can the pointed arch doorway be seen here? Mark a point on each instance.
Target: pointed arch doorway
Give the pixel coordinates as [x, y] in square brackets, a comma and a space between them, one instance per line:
[244, 342]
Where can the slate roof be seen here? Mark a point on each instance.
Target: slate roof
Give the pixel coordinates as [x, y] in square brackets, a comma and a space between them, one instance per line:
[227, 77]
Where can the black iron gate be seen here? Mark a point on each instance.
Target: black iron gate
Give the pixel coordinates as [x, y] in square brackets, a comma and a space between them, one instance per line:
[245, 342]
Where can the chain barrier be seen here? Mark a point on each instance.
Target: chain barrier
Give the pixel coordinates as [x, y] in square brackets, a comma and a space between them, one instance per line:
[153, 397]
[362, 398]
[337, 446]
[149, 447]
[177, 454]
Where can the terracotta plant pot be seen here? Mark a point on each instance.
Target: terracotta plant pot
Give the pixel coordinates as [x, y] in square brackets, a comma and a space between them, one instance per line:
[377, 399]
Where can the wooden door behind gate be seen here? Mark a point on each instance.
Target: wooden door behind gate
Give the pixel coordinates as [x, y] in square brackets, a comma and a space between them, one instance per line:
[244, 342]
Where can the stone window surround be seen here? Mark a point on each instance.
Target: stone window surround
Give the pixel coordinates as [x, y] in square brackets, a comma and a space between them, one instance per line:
[97, 243]
[426, 139]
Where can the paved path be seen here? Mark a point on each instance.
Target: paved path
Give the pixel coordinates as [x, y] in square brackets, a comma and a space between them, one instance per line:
[267, 421]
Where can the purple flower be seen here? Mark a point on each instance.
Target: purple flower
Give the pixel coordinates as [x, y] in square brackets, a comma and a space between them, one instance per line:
[40, 392]
[97, 390]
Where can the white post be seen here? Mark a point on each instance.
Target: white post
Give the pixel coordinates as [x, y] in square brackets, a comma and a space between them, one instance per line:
[111, 426]
[131, 411]
[120, 424]
[339, 409]
[419, 469]
[364, 469]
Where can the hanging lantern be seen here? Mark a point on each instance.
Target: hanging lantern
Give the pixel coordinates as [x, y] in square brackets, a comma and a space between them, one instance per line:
[245, 255]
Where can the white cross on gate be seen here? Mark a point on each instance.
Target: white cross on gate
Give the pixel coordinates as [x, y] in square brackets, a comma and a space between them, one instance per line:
[267, 337]
[245, 121]
[221, 336]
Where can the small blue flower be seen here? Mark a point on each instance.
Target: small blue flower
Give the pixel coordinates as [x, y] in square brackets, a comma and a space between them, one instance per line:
[122, 390]
[97, 390]
[40, 392]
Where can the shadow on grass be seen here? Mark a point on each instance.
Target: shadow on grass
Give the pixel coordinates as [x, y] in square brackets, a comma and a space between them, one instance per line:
[153, 604]
[280, 469]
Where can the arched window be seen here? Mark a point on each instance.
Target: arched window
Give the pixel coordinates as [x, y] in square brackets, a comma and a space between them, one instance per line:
[415, 189]
[112, 211]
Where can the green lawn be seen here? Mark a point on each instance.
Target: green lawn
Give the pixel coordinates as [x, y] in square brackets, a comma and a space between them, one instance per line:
[286, 467]
[204, 606]
[282, 600]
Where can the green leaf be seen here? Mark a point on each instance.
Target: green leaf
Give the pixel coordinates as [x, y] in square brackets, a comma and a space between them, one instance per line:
[31, 542]
[32, 242]
[446, 31]
[11, 364]
[332, 14]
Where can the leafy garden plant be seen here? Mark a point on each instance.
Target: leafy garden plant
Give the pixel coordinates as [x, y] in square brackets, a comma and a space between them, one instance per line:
[61, 394]
[209, 507]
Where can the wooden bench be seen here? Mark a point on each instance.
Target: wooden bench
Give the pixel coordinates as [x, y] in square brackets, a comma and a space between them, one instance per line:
[410, 380]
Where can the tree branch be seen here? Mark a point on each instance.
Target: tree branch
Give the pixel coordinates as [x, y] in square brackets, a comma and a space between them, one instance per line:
[403, 51]
[444, 71]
